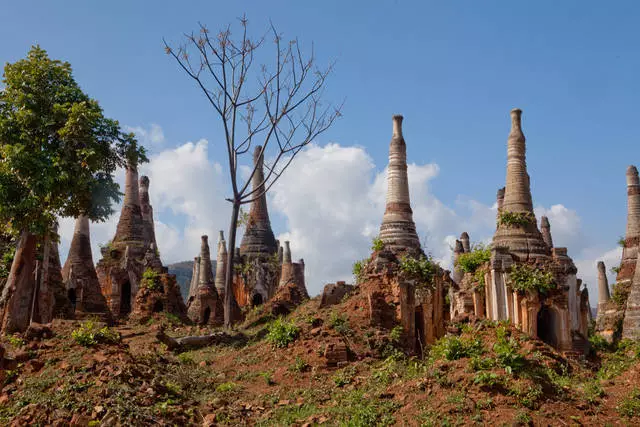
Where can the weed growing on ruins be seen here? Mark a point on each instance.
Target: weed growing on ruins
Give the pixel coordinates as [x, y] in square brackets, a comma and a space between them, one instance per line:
[268, 378]
[340, 323]
[614, 364]
[621, 241]
[507, 351]
[377, 244]
[629, 406]
[593, 392]
[151, 280]
[107, 247]
[454, 348]
[469, 262]
[615, 270]
[516, 219]
[282, 333]
[15, 340]
[5, 262]
[488, 380]
[422, 269]
[523, 418]
[358, 268]
[525, 278]
[226, 387]
[88, 335]
[620, 294]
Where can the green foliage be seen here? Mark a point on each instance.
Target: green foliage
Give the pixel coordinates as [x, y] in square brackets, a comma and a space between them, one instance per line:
[620, 294]
[268, 378]
[516, 219]
[300, 365]
[358, 268]
[15, 340]
[454, 348]
[345, 376]
[6, 261]
[340, 323]
[525, 278]
[243, 219]
[489, 380]
[629, 406]
[396, 334]
[282, 333]
[226, 387]
[58, 152]
[151, 280]
[470, 262]
[88, 335]
[422, 269]
[507, 351]
[615, 270]
[172, 318]
[377, 244]
[621, 241]
[593, 392]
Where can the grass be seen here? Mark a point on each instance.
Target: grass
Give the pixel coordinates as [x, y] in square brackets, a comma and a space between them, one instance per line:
[89, 335]
[629, 406]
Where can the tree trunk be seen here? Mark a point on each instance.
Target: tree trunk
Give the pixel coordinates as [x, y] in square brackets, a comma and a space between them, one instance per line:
[231, 252]
[15, 302]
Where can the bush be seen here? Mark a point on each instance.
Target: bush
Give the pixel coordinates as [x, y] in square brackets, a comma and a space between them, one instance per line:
[488, 380]
[511, 219]
[507, 352]
[525, 278]
[282, 333]
[454, 348]
[344, 377]
[358, 268]
[377, 244]
[300, 365]
[469, 262]
[422, 269]
[226, 387]
[151, 280]
[5, 263]
[620, 294]
[89, 335]
[339, 323]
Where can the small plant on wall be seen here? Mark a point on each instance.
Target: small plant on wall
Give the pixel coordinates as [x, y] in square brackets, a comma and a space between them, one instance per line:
[525, 278]
[516, 219]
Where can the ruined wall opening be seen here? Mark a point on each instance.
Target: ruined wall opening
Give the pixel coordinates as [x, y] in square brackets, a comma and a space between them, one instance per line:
[419, 319]
[207, 315]
[125, 298]
[256, 300]
[158, 306]
[547, 322]
[71, 294]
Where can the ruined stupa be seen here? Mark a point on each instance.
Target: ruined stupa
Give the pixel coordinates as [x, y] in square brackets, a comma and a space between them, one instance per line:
[132, 250]
[221, 264]
[206, 307]
[257, 269]
[559, 315]
[398, 231]
[79, 273]
[258, 239]
[517, 229]
[618, 317]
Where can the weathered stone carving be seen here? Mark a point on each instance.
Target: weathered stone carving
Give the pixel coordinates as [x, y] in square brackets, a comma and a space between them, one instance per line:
[546, 231]
[398, 231]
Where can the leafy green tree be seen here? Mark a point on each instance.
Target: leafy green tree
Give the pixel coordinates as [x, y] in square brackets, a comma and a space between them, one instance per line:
[58, 153]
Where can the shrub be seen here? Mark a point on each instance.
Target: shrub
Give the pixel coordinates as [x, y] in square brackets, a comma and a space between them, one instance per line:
[377, 244]
[488, 380]
[339, 323]
[507, 352]
[454, 348]
[511, 219]
[525, 278]
[89, 335]
[422, 269]
[620, 294]
[358, 268]
[282, 333]
[226, 387]
[615, 270]
[5, 263]
[151, 280]
[15, 341]
[621, 241]
[345, 376]
[469, 262]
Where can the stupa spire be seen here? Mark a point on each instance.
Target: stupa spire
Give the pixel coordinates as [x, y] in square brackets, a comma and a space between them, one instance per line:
[221, 263]
[517, 193]
[258, 238]
[130, 225]
[603, 284]
[206, 275]
[148, 231]
[398, 231]
[545, 228]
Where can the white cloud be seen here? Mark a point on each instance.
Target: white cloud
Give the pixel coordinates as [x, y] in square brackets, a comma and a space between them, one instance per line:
[154, 135]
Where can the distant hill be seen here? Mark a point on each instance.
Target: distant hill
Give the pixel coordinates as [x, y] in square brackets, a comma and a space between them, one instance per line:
[183, 271]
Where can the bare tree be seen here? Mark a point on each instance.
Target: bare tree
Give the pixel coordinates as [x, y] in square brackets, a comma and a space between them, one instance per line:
[278, 106]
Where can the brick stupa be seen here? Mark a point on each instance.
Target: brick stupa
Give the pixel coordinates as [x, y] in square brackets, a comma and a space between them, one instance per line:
[205, 307]
[258, 239]
[79, 273]
[398, 231]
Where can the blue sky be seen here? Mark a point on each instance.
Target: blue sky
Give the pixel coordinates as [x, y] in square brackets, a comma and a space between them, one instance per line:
[453, 69]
